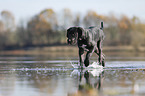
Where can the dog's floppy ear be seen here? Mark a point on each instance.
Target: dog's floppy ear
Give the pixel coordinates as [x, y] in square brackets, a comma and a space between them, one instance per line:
[80, 32]
[68, 30]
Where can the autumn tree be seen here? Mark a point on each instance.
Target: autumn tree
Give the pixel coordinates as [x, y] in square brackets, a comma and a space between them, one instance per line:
[92, 19]
[138, 33]
[2, 36]
[1, 27]
[7, 28]
[77, 21]
[48, 15]
[8, 21]
[124, 25]
[22, 36]
[67, 18]
[41, 27]
[112, 35]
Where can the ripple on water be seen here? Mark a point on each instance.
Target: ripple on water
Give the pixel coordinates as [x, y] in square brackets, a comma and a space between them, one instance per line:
[126, 64]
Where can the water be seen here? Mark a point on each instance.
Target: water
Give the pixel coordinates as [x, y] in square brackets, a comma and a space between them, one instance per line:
[41, 75]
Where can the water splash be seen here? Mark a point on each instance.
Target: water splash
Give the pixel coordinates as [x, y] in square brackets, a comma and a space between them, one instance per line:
[93, 65]
[95, 69]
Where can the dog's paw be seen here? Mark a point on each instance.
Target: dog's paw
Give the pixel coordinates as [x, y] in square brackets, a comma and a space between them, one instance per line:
[103, 63]
[86, 63]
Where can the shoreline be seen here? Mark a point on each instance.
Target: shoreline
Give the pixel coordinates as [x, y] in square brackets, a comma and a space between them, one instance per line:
[69, 49]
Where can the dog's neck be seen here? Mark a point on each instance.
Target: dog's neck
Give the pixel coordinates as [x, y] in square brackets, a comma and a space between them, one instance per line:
[85, 34]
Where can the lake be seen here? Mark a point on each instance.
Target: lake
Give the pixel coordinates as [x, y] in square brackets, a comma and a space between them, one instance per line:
[53, 75]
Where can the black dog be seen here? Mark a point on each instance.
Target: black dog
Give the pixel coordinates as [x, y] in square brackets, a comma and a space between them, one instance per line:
[89, 40]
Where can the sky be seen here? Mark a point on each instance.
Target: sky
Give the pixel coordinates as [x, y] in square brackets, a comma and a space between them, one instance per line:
[28, 8]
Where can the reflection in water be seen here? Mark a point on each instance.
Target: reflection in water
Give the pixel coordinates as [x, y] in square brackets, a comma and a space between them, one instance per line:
[89, 85]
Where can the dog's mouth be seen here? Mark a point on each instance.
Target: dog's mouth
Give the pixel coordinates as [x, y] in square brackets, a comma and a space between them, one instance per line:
[72, 41]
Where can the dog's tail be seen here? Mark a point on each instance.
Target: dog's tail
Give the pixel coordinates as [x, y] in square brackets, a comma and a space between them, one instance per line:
[101, 26]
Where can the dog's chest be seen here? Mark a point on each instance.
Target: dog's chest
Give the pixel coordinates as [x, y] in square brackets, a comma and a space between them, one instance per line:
[84, 44]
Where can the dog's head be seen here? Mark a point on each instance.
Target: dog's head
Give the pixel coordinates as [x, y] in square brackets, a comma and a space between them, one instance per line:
[73, 34]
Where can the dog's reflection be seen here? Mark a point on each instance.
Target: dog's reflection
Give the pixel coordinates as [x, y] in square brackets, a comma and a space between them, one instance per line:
[89, 85]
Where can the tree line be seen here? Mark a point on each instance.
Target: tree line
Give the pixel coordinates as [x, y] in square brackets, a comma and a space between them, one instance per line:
[49, 27]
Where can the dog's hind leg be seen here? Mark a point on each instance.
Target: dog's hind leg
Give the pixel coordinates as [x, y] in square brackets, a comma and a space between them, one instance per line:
[103, 60]
[103, 57]
[100, 54]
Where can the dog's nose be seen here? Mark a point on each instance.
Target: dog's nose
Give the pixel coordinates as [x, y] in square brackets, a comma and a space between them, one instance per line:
[73, 39]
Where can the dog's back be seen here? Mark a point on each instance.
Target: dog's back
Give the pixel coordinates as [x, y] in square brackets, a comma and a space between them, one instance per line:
[94, 34]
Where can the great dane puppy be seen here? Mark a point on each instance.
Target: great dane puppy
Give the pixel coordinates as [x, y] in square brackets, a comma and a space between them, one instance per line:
[89, 40]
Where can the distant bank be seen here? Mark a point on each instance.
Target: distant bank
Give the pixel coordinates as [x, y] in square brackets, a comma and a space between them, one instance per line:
[69, 49]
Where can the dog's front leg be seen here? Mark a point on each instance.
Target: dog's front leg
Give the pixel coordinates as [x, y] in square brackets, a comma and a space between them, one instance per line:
[81, 57]
[100, 52]
[88, 55]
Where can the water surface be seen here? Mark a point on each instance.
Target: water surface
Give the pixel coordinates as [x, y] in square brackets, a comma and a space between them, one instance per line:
[30, 75]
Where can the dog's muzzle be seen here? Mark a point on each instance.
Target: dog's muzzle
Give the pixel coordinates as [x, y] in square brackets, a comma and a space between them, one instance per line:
[71, 41]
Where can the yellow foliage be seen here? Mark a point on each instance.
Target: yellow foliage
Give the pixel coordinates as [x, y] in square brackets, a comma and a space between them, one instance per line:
[123, 25]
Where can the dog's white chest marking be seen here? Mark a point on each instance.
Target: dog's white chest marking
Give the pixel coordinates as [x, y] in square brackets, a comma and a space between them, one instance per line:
[84, 47]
